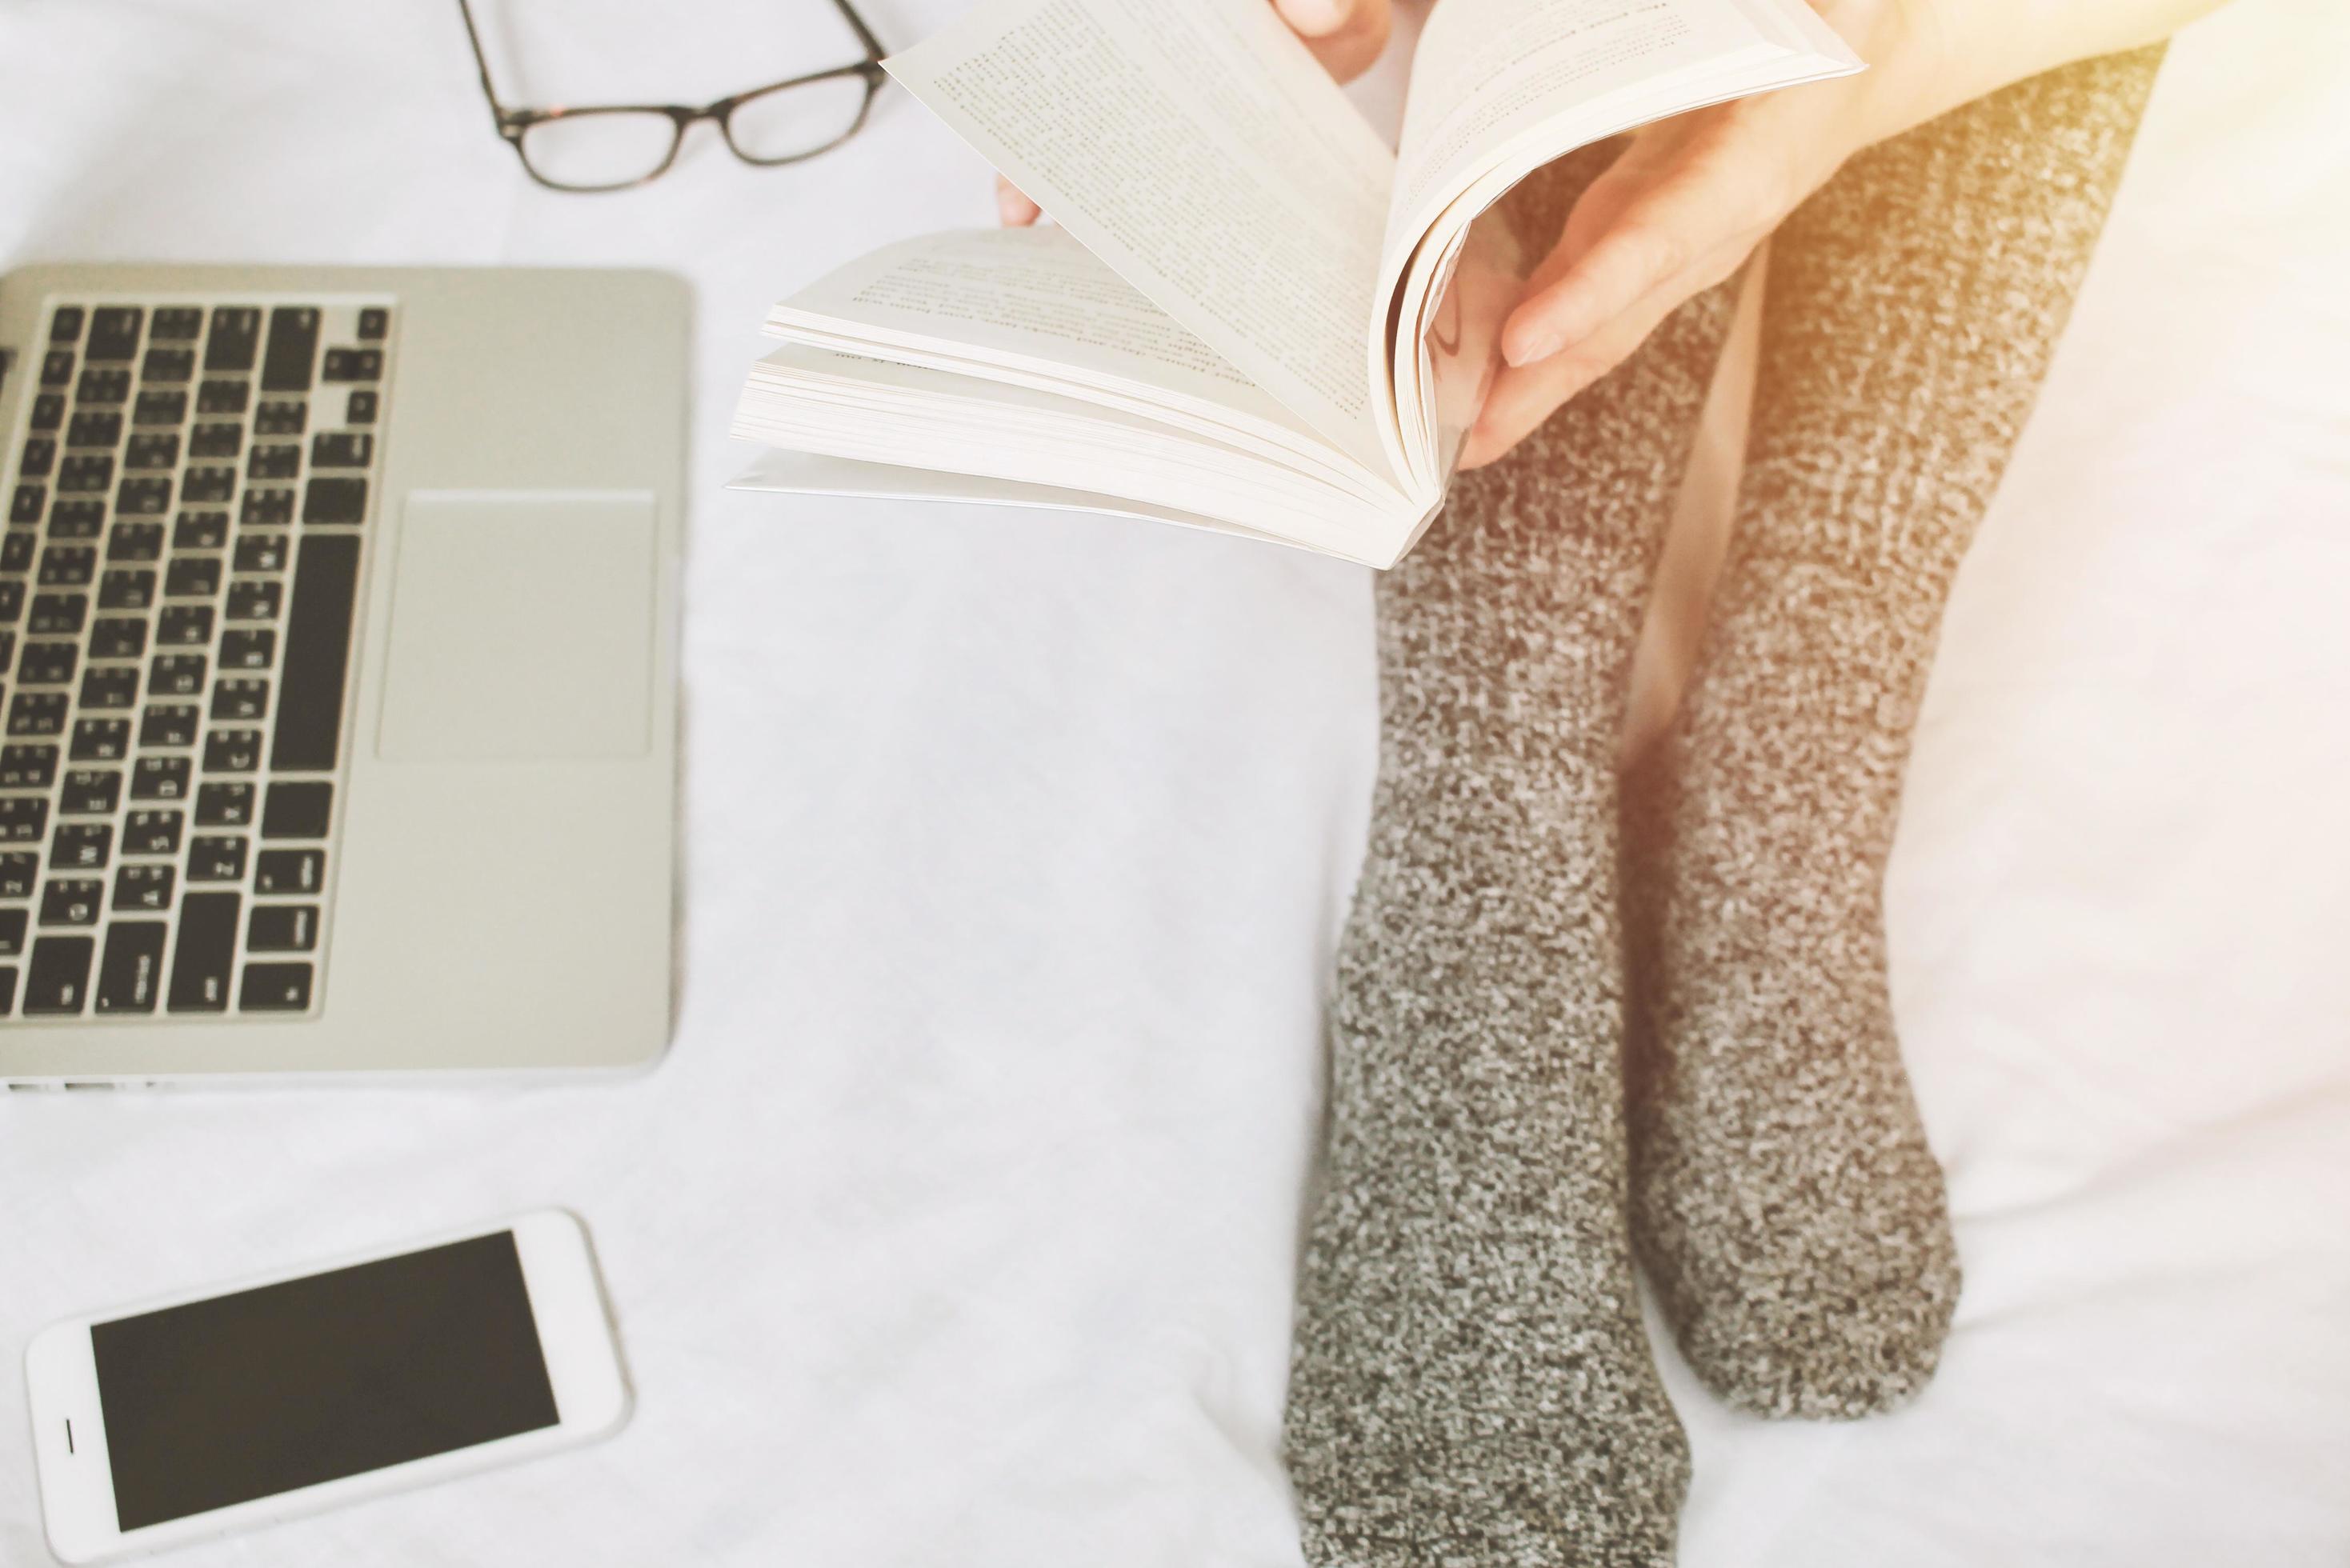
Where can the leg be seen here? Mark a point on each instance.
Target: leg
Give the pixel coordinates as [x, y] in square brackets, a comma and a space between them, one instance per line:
[1471, 1384]
[1784, 1197]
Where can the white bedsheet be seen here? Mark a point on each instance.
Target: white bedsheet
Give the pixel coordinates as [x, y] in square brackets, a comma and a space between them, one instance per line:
[957, 1229]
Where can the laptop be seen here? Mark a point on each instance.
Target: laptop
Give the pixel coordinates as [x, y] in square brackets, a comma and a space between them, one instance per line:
[337, 671]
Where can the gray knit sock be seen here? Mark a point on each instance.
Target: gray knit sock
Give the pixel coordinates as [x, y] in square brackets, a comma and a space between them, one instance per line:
[1784, 1197]
[1471, 1384]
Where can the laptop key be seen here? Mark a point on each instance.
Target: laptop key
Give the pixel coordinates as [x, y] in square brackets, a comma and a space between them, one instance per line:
[129, 976]
[260, 601]
[118, 637]
[232, 751]
[241, 700]
[281, 417]
[153, 832]
[184, 626]
[354, 364]
[143, 888]
[94, 427]
[72, 901]
[24, 506]
[49, 412]
[160, 408]
[169, 724]
[18, 872]
[12, 932]
[261, 553]
[200, 531]
[23, 819]
[162, 778]
[176, 675]
[297, 810]
[114, 331]
[236, 333]
[126, 588]
[250, 648]
[81, 846]
[56, 981]
[216, 440]
[342, 449]
[57, 615]
[287, 362]
[215, 860]
[152, 449]
[104, 687]
[102, 385]
[38, 714]
[224, 806]
[223, 397]
[57, 366]
[39, 456]
[283, 871]
[16, 552]
[207, 945]
[168, 365]
[91, 792]
[273, 459]
[335, 501]
[146, 496]
[82, 472]
[135, 543]
[307, 733]
[274, 988]
[374, 322]
[77, 519]
[100, 740]
[26, 766]
[65, 323]
[282, 928]
[176, 324]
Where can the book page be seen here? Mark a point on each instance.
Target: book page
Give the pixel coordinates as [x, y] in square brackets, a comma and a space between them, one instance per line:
[1197, 148]
[1488, 70]
[1033, 296]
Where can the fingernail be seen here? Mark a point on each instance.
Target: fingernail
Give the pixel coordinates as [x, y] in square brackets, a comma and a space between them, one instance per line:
[1529, 352]
[1012, 206]
[1314, 17]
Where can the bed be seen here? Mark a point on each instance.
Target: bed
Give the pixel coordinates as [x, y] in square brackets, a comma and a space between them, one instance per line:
[957, 1230]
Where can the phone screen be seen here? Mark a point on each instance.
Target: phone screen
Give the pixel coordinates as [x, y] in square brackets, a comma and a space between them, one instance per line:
[241, 1396]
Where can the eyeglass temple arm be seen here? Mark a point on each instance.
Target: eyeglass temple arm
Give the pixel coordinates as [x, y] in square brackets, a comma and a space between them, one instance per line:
[873, 48]
[482, 63]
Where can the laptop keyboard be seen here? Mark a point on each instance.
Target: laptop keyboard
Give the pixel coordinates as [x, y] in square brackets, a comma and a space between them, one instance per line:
[178, 580]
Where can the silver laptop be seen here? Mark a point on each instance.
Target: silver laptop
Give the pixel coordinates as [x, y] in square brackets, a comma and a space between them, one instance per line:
[338, 613]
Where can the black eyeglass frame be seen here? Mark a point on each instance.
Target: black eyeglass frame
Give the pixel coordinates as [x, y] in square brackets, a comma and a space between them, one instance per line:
[512, 124]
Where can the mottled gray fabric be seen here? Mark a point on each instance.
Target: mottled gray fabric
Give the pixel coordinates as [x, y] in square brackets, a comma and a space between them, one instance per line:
[1785, 1200]
[1470, 1381]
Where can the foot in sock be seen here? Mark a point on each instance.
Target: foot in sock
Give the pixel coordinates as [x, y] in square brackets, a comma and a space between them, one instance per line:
[1784, 1199]
[1471, 1383]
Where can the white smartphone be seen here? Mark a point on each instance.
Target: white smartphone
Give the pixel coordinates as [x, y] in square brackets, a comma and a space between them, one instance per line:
[213, 1410]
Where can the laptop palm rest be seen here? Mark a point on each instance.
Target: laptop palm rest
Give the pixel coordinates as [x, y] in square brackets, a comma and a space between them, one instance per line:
[522, 627]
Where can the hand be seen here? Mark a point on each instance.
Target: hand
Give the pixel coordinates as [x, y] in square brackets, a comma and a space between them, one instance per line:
[1345, 35]
[1687, 202]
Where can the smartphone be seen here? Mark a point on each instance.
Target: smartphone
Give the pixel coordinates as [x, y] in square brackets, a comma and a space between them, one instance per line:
[215, 1410]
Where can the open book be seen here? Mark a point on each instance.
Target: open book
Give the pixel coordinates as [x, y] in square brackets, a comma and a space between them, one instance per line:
[1252, 316]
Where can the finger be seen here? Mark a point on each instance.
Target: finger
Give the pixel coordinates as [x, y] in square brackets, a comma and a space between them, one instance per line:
[1658, 234]
[1015, 209]
[1524, 396]
[1345, 35]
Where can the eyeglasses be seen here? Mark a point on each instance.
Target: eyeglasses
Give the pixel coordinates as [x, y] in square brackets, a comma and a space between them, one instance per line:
[611, 147]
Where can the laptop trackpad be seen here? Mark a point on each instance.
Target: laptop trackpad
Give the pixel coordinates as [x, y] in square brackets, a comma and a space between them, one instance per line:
[522, 626]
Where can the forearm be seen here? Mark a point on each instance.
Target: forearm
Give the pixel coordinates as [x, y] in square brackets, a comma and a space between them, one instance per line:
[1935, 55]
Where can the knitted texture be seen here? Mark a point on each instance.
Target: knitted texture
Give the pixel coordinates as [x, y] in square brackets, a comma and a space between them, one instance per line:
[1785, 1201]
[1471, 1383]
